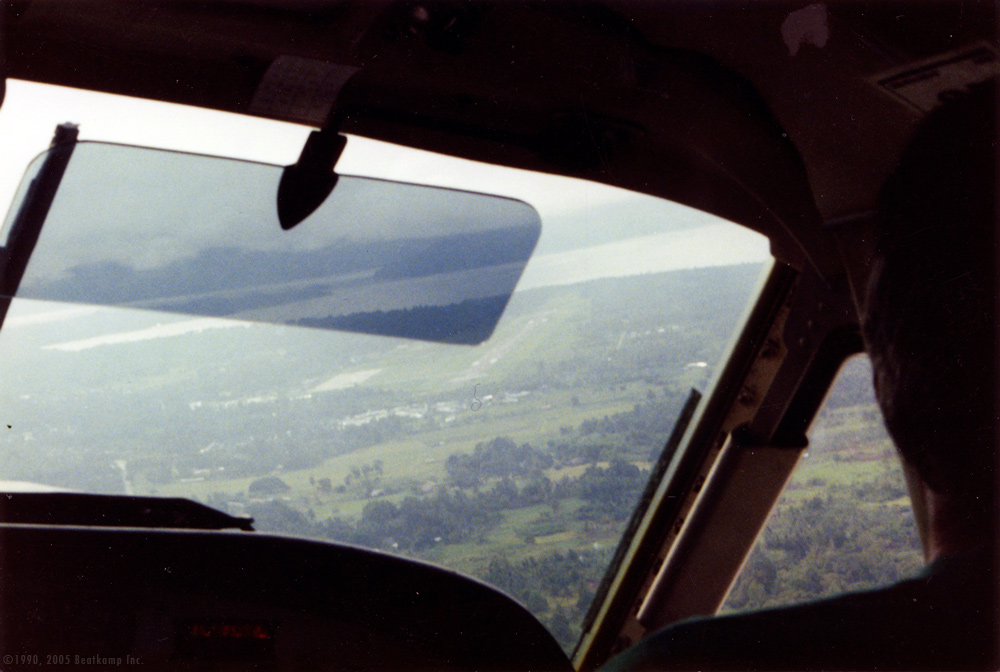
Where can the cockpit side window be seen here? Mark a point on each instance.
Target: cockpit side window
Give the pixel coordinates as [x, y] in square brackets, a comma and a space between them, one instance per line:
[844, 521]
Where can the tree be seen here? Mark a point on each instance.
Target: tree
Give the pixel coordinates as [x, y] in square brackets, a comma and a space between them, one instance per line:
[269, 485]
[560, 628]
[536, 603]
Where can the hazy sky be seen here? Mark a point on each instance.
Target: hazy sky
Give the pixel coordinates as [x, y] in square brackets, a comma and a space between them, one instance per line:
[31, 112]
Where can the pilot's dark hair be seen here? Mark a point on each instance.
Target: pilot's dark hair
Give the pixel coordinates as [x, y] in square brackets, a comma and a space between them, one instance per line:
[931, 302]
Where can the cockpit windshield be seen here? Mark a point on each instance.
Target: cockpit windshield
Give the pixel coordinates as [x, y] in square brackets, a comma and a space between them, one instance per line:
[163, 350]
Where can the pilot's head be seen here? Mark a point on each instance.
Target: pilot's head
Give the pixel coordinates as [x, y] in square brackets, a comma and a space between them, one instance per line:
[929, 323]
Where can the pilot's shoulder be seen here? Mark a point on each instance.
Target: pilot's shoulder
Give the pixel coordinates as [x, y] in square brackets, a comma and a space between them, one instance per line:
[907, 625]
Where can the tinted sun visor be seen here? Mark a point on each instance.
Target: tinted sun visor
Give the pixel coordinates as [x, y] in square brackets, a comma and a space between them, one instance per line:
[199, 235]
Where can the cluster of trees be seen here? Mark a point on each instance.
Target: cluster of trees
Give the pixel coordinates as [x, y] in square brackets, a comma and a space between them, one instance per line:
[497, 458]
[638, 434]
[455, 515]
[558, 587]
[417, 524]
[268, 486]
[644, 428]
[364, 481]
[610, 492]
[372, 433]
[827, 545]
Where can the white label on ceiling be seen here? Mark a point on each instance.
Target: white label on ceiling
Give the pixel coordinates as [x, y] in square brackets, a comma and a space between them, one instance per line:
[300, 89]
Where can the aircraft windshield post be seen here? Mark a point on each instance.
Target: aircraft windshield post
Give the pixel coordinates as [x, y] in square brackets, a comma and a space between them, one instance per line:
[32, 212]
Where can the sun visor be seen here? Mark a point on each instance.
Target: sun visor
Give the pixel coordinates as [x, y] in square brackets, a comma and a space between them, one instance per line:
[199, 235]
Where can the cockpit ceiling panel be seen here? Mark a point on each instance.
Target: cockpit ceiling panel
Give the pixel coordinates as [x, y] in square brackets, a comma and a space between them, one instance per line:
[526, 85]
